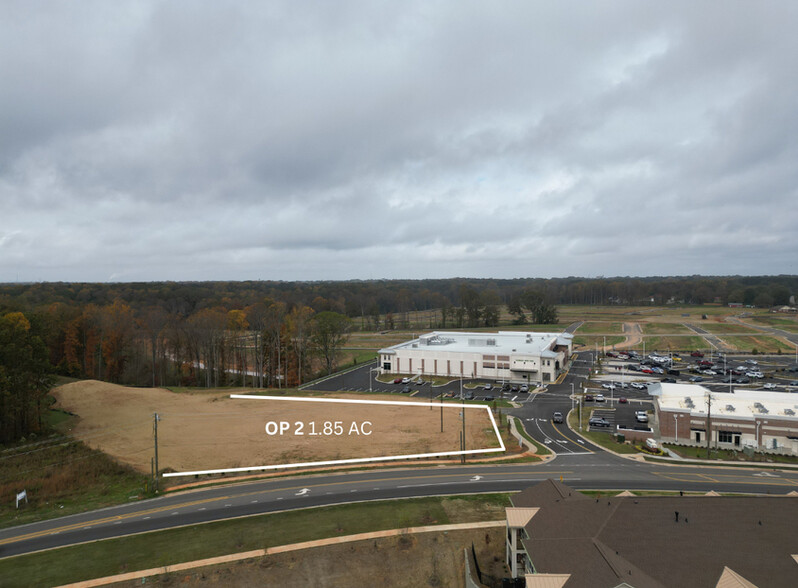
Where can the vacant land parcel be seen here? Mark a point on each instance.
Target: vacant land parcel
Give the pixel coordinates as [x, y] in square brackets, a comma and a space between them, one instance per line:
[213, 431]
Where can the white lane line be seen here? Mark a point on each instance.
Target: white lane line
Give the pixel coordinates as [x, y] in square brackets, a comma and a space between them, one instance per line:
[203, 508]
[252, 501]
[353, 490]
[174, 513]
[279, 498]
[145, 518]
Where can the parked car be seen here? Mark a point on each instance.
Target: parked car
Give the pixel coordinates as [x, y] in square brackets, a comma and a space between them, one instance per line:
[505, 387]
[696, 354]
[600, 398]
[674, 372]
[769, 386]
[639, 386]
[696, 379]
[588, 398]
[405, 380]
[793, 368]
[755, 374]
[710, 373]
[742, 380]
[488, 398]
[556, 417]
[641, 416]
[622, 400]
[793, 383]
[406, 390]
[397, 380]
[647, 370]
[419, 382]
[668, 380]
[514, 388]
[751, 361]
[598, 422]
[524, 388]
[488, 386]
[608, 386]
[469, 396]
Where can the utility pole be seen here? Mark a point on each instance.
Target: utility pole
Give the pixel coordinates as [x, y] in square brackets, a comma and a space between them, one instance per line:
[155, 420]
[709, 421]
[463, 436]
[441, 412]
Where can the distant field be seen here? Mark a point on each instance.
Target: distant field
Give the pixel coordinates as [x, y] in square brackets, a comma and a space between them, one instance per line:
[591, 340]
[664, 328]
[762, 344]
[730, 328]
[678, 343]
[602, 328]
[780, 322]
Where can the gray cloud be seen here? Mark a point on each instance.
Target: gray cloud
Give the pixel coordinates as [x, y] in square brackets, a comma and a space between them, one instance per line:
[209, 140]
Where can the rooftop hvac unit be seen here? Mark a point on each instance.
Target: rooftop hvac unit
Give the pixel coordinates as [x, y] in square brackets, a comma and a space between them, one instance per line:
[789, 412]
[491, 342]
[730, 408]
[763, 410]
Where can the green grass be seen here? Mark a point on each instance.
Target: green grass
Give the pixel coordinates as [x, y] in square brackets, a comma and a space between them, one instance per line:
[591, 340]
[787, 324]
[762, 344]
[725, 328]
[115, 556]
[602, 328]
[677, 343]
[664, 329]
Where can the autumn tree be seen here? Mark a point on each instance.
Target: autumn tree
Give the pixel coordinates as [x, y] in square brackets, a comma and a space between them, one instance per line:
[330, 332]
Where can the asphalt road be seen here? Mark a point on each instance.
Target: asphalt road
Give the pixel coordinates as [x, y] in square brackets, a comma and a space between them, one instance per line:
[580, 470]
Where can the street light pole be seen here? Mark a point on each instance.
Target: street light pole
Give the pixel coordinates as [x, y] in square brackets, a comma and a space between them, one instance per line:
[572, 395]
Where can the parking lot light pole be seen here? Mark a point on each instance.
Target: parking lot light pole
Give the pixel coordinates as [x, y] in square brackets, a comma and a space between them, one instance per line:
[572, 395]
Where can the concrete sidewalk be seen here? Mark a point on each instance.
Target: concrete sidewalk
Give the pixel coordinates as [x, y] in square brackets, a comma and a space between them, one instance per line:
[224, 559]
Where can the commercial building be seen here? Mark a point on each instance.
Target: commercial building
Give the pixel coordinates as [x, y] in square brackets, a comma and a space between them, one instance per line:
[557, 537]
[758, 419]
[508, 356]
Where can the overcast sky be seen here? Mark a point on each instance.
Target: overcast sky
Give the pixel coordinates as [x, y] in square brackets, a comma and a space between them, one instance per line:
[336, 140]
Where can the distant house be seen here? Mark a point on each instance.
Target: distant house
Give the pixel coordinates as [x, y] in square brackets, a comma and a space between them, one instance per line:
[558, 537]
[735, 304]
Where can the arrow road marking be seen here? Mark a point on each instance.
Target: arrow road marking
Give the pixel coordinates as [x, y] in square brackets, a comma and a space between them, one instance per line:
[476, 478]
[302, 492]
[766, 475]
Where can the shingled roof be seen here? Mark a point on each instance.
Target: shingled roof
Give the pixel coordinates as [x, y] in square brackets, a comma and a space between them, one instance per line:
[643, 542]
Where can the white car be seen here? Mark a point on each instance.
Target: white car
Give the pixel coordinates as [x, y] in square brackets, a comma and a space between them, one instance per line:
[710, 373]
[751, 361]
[405, 380]
[608, 386]
[639, 386]
[599, 398]
[769, 386]
[755, 374]
[641, 416]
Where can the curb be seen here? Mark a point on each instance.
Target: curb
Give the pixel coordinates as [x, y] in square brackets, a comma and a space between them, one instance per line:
[278, 549]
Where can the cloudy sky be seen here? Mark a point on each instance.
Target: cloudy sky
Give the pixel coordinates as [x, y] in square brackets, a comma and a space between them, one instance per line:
[336, 140]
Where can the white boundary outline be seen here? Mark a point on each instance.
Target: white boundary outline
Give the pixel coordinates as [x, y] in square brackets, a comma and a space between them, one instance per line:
[356, 460]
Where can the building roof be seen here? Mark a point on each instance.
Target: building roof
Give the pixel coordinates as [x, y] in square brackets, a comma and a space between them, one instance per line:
[602, 542]
[503, 342]
[519, 517]
[742, 403]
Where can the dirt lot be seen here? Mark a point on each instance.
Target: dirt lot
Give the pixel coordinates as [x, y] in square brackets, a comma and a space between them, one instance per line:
[417, 560]
[212, 431]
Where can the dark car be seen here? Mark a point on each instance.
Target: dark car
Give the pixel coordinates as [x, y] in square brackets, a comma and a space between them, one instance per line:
[668, 380]
[598, 422]
[505, 387]
[419, 382]
[674, 372]
[696, 354]
[406, 390]
[588, 397]
[622, 400]
[514, 388]
[742, 380]
[556, 417]
[488, 398]
[469, 396]
[397, 381]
